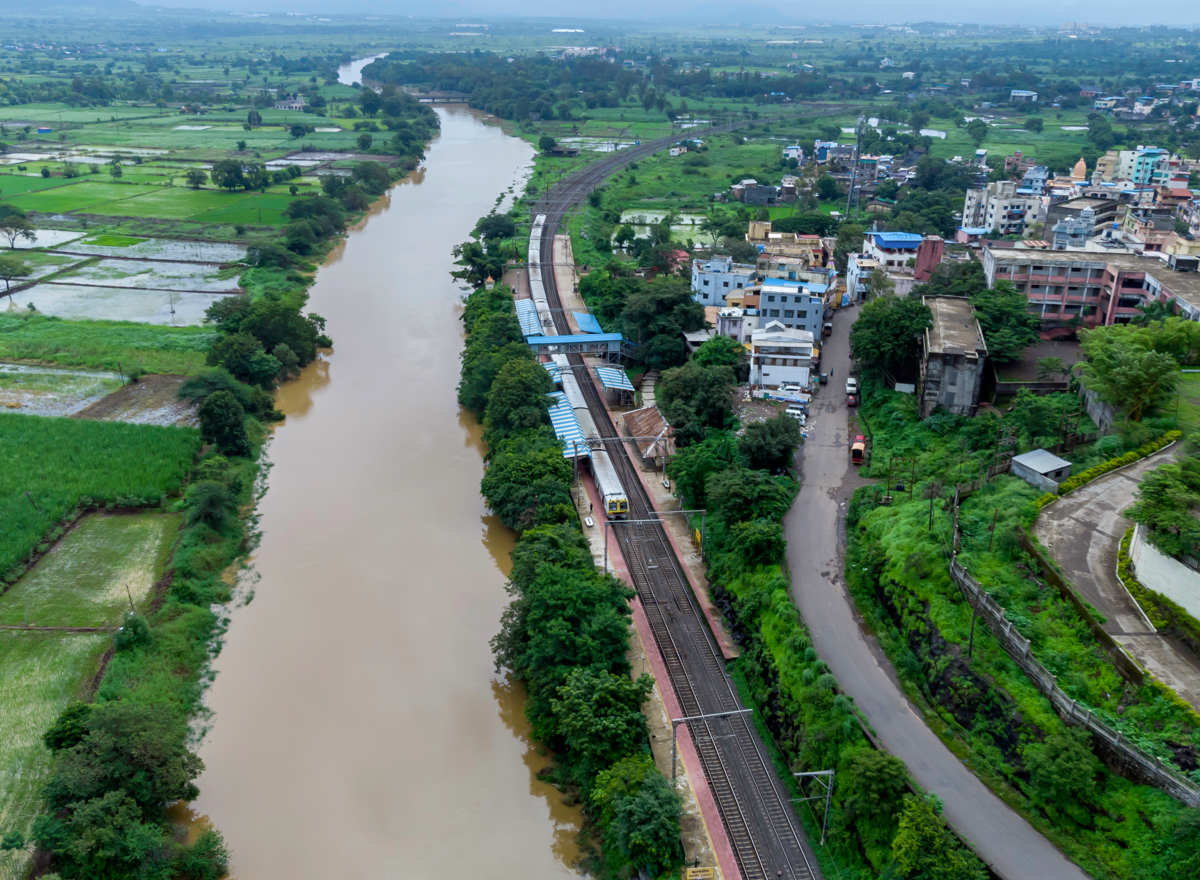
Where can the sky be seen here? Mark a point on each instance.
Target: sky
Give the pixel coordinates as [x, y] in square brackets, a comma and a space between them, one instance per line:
[1105, 12]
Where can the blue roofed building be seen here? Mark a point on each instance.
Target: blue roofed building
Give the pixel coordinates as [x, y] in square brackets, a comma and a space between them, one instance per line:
[892, 250]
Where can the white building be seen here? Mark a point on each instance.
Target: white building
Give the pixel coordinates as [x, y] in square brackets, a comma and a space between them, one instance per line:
[779, 356]
[737, 324]
[712, 280]
[1000, 207]
[892, 250]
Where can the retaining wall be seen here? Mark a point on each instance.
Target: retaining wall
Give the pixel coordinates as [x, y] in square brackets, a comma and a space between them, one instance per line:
[1163, 574]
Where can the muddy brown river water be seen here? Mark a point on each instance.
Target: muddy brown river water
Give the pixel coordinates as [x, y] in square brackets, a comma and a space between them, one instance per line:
[359, 730]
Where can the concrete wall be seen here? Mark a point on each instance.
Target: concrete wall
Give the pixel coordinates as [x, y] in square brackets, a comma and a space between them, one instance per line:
[1103, 414]
[1164, 575]
[1033, 477]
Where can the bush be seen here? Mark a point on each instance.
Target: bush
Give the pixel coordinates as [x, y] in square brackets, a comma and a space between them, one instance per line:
[223, 422]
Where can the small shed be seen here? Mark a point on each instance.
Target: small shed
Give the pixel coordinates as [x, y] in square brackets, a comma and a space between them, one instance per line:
[1041, 468]
[655, 439]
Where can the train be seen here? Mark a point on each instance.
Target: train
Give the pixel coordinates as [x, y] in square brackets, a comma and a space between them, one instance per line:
[612, 492]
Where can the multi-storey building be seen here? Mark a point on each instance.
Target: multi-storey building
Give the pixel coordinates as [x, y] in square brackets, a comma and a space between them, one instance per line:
[953, 354]
[712, 280]
[793, 305]
[1001, 208]
[1099, 288]
[779, 356]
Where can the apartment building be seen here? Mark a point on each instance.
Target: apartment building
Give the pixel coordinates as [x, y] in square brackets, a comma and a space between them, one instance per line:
[1099, 288]
[712, 280]
[1001, 208]
[793, 305]
[953, 354]
[779, 356]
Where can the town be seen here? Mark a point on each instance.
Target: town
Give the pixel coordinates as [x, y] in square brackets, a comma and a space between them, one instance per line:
[553, 446]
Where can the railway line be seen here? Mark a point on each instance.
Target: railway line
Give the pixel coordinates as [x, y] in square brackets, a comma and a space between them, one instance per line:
[755, 808]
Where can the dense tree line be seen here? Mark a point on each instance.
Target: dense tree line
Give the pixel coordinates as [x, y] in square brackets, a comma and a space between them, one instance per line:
[566, 632]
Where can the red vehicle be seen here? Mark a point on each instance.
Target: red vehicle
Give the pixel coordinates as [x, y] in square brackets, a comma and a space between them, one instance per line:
[851, 400]
[858, 449]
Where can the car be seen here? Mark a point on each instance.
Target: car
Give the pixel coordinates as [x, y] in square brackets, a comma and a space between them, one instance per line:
[824, 378]
[827, 330]
[798, 413]
[852, 386]
[851, 400]
[858, 449]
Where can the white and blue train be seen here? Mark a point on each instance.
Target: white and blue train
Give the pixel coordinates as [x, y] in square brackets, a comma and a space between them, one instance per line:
[616, 503]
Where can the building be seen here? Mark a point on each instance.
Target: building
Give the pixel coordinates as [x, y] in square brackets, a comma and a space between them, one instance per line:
[1074, 232]
[656, 441]
[1095, 287]
[1016, 163]
[1000, 207]
[1106, 165]
[1103, 211]
[779, 356]
[858, 269]
[751, 192]
[1144, 166]
[953, 355]
[737, 323]
[795, 151]
[790, 244]
[892, 250]
[1021, 96]
[930, 253]
[290, 104]
[793, 305]
[712, 280]
[1035, 179]
[1041, 468]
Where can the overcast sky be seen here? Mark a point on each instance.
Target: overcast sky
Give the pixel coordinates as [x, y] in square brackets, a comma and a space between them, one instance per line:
[1109, 12]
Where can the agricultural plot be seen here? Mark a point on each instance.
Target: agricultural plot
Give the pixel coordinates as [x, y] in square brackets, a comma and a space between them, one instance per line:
[93, 575]
[163, 249]
[44, 238]
[60, 461]
[40, 674]
[168, 203]
[45, 391]
[19, 184]
[155, 275]
[43, 264]
[74, 197]
[103, 345]
[100, 303]
[152, 400]
[258, 209]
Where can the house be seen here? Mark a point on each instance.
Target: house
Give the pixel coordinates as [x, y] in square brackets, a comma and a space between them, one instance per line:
[858, 268]
[1104, 211]
[751, 192]
[795, 151]
[290, 104]
[779, 356]
[791, 244]
[1022, 96]
[893, 250]
[1016, 163]
[953, 355]
[1073, 232]
[1035, 179]
[713, 279]
[1041, 468]
[908, 74]
[737, 323]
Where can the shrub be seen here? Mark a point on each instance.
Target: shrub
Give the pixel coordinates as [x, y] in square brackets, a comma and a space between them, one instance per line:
[223, 422]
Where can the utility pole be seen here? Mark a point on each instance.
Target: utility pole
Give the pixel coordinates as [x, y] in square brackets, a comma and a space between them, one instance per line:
[859, 128]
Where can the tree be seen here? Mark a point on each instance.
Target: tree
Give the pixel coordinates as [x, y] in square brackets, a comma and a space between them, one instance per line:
[599, 717]
[114, 168]
[254, 119]
[828, 188]
[871, 793]
[496, 227]
[744, 495]
[885, 336]
[977, 130]
[364, 141]
[370, 102]
[720, 351]
[546, 143]
[1008, 325]
[1049, 367]
[195, 178]
[13, 267]
[227, 174]
[693, 397]
[1035, 124]
[289, 363]
[241, 146]
[691, 466]
[770, 444]
[297, 130]
[646, 829]
[1062, 767]
[879, 283]
[210, 502]
[223, 422]
[518, 398]
[14, 225]
[245, 358]
[528, 481]
[925, 849]
[849, 241]
[657, 314]
[1125, 372]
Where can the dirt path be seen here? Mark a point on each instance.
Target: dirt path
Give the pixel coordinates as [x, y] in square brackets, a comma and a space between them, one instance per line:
[815, 531]
[1083, 530]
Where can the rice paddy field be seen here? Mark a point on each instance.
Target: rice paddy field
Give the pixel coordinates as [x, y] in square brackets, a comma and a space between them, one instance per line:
[102, 345]
[94, 573]
[46, 391]
[40, 674]
[60, 462]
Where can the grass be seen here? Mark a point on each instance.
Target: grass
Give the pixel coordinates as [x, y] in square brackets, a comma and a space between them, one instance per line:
[40, 673]
[74, 197]
[51, 465]
[113, 241]
[98, 568]
[107, 345]
[1189, 402]
[13, 184]
[259, 209]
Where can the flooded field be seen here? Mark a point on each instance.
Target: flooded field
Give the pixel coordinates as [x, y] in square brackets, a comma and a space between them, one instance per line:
[359, 729]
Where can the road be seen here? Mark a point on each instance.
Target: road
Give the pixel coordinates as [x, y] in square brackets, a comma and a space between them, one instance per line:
[815, 529]
[1083, 530]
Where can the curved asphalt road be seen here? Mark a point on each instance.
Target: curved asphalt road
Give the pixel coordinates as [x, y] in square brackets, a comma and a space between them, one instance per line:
[815, 529]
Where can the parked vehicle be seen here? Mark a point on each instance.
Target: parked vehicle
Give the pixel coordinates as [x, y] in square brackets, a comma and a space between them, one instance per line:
[798, 413]
[824, 378]
[858, 449]
[851, 400]
[852, 386]
[827, 330]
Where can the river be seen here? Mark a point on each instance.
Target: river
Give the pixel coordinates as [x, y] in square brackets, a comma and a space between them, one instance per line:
[349, 74]
[358, 729]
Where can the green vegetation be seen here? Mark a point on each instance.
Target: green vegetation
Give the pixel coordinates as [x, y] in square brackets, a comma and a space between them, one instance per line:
[102, 566]
[64, 463]
[1166, 498]
[973, 696]
[103, 345]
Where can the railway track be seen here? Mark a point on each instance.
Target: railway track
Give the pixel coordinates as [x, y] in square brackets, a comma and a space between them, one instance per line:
[755, 807]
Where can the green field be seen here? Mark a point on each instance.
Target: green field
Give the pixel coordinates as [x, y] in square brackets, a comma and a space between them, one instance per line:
[113, 241]
[95, 571]
[74, 197]
[169, 203]
[103, 345]
[259, 209]
[18, 184]
[61, 461]
[40, 673]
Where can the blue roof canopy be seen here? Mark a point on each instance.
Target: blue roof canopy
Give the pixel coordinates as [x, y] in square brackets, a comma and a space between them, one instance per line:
[527, 316]
[610, 377]
[582, 337]
[897, 239]
[566, 427]
[587, 324]
[553, 370]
